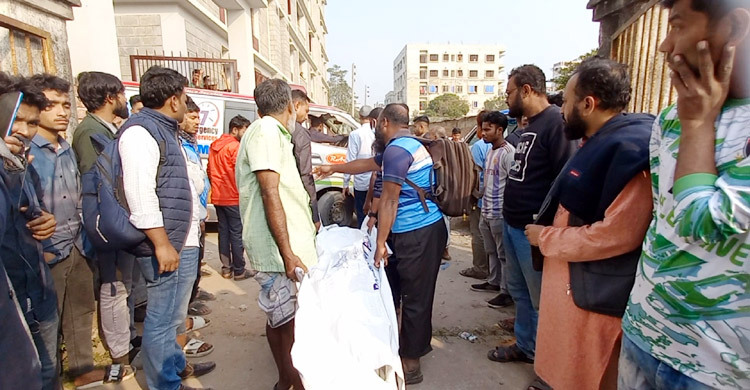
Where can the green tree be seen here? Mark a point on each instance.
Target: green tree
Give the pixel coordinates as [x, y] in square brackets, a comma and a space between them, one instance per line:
[567, 71]
[496, 104]
[340, 92]
[447, 106]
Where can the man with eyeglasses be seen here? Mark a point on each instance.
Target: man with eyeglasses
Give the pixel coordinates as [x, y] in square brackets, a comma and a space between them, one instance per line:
[541, 152]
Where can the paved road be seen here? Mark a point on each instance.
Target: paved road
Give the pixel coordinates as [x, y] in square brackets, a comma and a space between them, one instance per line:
[244, 360]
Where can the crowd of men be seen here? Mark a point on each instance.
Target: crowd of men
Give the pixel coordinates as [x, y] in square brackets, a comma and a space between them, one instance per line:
[621, 239]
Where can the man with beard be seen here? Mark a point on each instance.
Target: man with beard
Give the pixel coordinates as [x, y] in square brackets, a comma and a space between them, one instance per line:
[604, 197]
[278, 230]
[416, 234]
[104, 97]
[540, 155]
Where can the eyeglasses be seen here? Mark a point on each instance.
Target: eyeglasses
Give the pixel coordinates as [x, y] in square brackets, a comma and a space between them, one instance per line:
[510, 92]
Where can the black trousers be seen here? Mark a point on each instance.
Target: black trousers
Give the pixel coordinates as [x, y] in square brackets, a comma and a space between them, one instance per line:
[417, 255]
[231, 251]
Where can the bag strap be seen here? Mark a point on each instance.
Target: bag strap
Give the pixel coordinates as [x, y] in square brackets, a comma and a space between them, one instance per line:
[421, 192]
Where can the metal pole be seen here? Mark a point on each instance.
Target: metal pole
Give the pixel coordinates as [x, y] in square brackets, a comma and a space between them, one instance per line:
[354, 70]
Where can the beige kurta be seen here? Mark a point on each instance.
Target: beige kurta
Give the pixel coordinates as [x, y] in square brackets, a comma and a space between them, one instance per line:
[576, 348]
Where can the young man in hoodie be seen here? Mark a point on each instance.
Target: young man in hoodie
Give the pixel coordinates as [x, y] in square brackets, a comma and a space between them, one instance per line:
[222, 158]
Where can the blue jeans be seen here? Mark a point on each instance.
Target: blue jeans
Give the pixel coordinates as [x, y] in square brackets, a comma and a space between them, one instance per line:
[168, 296]
[45, 335]
[638, 370]
[524, 285]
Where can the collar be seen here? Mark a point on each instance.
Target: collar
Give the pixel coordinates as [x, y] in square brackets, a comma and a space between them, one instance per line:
[42, 142]
[276, 122]
[106, 124]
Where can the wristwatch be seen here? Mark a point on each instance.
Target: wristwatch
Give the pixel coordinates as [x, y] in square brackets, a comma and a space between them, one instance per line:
[372, 215]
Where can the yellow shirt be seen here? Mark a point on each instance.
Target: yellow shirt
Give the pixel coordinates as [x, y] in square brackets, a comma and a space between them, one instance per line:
[267, 146]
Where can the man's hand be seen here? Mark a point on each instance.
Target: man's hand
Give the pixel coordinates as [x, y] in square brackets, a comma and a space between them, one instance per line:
[14, 144]
[203, 227]
[371, 223]
[532, 234]
[367, 206]
[42, 227]
[322, 171]
[168, 258]
[290, 264]
[48, 257]
[345, 191]
[700, 97]
[381, 253]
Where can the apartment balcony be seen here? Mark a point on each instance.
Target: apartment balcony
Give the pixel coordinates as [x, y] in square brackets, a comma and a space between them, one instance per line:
[238, 4]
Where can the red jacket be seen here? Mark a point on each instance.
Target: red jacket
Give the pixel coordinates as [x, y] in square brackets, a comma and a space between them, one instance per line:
[222, 158]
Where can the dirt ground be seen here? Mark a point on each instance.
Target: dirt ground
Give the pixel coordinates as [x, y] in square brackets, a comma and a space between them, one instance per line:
[244, 359]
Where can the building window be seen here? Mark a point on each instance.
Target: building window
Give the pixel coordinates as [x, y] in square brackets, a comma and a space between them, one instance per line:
[423, 90]
[446, 57]
[446, 88]
[433, 57]
[473, 73]
[460, 57]
[453, 57]
[453, 88]
[489, 89]
[423, 74]
[289, 6]
[472, 89]
[422, 106]
[474, 58]
[453, 73]
[433, 89]
[423, 58]
[445, 73]
[475, 104]
[460, 73]
[490, 58]
[459, 89]
[489, 74]
[433, 73]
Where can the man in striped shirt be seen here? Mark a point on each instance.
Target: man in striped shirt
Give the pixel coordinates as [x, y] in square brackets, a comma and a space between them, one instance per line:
[496, 168]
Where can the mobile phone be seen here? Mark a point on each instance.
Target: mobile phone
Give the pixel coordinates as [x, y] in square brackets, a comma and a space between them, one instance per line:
[9, 104]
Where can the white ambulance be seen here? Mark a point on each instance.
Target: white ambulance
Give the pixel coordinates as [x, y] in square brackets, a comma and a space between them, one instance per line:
[218, 108]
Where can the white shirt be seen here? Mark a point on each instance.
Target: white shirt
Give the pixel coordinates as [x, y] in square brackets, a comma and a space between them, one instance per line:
[360, 147]
[139, 155]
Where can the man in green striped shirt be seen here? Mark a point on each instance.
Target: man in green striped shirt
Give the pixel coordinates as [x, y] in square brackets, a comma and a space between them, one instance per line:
[687, 325]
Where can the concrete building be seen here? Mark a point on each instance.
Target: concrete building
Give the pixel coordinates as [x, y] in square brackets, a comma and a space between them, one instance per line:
[422, 72]
[242, 42]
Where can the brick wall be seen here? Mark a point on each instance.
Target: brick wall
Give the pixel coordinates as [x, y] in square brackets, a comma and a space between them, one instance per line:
[201, 43]
[137, 34]
[211, 6]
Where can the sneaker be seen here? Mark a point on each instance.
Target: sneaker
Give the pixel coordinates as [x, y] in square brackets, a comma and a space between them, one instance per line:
[485, 287]
[502, 300]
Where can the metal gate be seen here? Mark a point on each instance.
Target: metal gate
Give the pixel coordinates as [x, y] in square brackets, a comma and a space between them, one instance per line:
[636, 45]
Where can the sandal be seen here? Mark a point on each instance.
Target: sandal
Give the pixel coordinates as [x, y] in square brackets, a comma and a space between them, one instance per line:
[413, 377]
[506, 354]
[539, 384]
[205, 272]
[198, 308]
[196, 348]
[113, 373]
[198, 323]
[508, 325]
[473, 273]
[204, 295]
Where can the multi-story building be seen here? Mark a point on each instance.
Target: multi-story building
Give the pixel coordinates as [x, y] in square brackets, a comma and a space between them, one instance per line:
[422, 72]
[242, 42]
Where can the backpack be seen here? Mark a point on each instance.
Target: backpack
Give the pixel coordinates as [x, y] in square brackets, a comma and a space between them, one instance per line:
[455, 184]
[106, 215]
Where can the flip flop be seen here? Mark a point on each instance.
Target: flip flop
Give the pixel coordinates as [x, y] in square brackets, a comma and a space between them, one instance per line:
[198, 308]
[198, 323]
[510, 353]
[204, 295]
[539, 384]
[113, 373]
[192, 348]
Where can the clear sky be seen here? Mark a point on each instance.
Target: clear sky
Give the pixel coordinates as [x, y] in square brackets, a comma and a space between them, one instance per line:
[371, 33]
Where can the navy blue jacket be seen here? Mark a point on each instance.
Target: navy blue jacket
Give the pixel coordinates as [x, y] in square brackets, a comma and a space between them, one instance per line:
[24, 369]
[172, 181]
